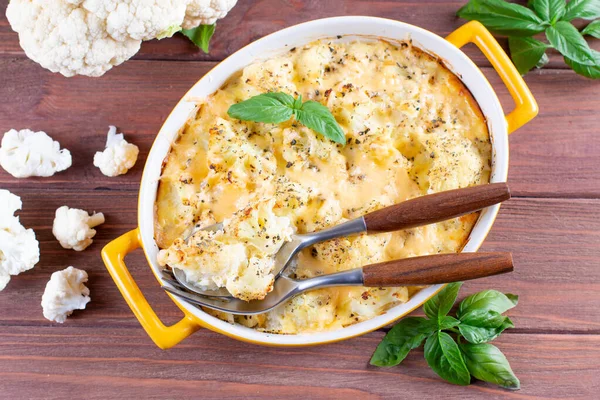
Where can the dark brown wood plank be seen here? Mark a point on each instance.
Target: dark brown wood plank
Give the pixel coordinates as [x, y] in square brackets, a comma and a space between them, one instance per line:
[108, 363]
[138, 97]
[249, 21]
[555, 244]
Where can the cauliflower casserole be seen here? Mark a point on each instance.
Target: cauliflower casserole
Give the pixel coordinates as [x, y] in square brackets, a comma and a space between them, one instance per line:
[412, 128]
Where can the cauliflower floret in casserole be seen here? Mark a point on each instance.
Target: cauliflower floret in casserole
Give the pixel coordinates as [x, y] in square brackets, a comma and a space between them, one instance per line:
[207, 262]
[73, 227]
[26, 153]
[19, 250]
[65, 292]
[118, 157]
[240, 257]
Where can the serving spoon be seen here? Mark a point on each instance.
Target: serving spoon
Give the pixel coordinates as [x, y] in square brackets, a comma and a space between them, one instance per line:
[419, 211]
[425, 270]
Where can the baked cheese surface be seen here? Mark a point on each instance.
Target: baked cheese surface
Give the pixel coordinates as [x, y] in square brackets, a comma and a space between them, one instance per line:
[412, 128]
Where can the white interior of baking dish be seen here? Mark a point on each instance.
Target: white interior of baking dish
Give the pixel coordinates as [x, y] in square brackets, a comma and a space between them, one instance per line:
[282, 41]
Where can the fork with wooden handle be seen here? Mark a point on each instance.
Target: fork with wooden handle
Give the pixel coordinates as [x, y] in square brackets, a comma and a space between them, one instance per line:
[419, 211]
[426, 270]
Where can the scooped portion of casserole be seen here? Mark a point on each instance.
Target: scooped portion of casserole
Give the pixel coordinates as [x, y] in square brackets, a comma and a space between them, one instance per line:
[412, 128]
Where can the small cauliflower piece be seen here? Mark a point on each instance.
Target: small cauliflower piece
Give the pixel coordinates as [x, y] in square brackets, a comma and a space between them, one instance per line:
[65, 292]
[73, 227]
[19, 249]
[205, 12]
[118, 157]
[26, 153]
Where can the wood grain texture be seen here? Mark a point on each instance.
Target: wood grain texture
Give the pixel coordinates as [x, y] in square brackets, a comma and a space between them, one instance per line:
[439, 268]
[551, 227]
[251, 20]
[559, 283]
[436, 207]
[138, 96]
[108, 363]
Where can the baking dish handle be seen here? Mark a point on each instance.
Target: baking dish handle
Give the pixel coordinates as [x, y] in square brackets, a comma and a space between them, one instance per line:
[113, 255]
[525, 105]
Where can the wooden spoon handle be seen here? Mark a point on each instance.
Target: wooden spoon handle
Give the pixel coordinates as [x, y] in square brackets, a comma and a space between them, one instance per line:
[436, 207]
[440, 268]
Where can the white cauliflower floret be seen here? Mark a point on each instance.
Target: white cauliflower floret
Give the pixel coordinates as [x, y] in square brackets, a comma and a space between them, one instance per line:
[65, 292]
[64, 37]
[26, 153]
[206, 12]
[73, 227]
[89, 37]
[19, 250]
[240, 257]
[139, 19]
[118, 157]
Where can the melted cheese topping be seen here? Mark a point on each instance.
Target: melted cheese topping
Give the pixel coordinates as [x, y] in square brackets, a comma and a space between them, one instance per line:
[412, 128]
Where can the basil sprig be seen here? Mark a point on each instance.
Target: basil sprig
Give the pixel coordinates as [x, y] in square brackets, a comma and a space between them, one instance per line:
[277, 107]
[455, 348]
[553, 18]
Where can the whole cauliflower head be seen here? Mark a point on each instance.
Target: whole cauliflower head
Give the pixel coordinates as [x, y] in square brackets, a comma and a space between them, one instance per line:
[19, 250]
[26, 153]
[73, 227]
[118, 156]
[205, 12]
[65, 292]
[64, 37]
[89, 37]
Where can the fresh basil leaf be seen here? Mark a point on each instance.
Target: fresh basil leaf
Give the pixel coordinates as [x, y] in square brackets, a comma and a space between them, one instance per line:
[406, 335]
[564, 37]
[549, 10]
[503, 18]
[487, 363]
[268, 107]
[593, 29]
[448, 322]
[482, 317]
[526, 52]
[589, 71]
[585, 9]
[487, 300]
[483, 334]
[317, 117]
[445, 359]
[543, 61]
[201, 35]
[440, 304]
[284, 98]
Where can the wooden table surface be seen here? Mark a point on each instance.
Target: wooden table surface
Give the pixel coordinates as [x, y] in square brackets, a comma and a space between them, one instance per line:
[551, 225]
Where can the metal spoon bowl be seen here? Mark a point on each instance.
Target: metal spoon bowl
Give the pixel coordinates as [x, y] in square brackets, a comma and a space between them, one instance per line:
[426, 270]
[419, 211]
